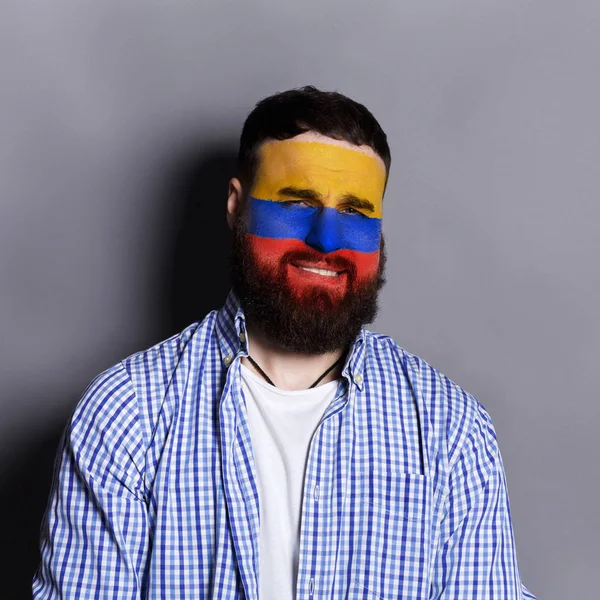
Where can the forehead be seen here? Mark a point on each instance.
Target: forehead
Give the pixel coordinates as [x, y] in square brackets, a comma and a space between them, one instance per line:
[330, 167]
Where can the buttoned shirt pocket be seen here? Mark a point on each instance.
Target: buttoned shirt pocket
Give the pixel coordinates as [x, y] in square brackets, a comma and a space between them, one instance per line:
[391, 536]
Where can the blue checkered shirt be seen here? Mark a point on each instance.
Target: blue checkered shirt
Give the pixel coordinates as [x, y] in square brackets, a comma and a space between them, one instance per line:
[155, 494]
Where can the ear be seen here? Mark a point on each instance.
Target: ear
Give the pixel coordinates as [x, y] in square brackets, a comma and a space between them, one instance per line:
[234, 201]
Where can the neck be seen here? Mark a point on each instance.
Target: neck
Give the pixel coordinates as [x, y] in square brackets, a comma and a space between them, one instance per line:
[289, 370]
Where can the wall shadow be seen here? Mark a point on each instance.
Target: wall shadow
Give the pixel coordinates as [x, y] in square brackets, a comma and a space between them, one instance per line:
[198, 272]
[195, 279]
[25, 479]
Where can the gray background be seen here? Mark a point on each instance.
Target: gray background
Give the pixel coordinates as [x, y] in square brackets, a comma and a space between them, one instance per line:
[118, 125]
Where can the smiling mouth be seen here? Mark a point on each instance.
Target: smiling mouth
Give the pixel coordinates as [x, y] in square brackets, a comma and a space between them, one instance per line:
[319, 271]
[325, 272]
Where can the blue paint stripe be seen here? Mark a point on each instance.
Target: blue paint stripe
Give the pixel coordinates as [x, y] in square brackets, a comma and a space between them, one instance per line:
[323, 227]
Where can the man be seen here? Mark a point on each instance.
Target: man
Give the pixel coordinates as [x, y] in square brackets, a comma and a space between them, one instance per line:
[278, 449]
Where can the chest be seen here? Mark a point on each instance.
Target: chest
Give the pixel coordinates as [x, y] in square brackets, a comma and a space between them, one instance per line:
[368, 502]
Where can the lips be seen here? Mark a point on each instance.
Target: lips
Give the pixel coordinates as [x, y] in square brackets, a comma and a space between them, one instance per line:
[318, 268]
[301, 279]
[323, 272]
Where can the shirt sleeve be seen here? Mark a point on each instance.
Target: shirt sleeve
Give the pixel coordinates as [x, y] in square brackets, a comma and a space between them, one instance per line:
[94, 536]
[476, 555]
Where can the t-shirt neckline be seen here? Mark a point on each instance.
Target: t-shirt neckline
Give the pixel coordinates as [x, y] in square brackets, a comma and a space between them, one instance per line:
[320, 389]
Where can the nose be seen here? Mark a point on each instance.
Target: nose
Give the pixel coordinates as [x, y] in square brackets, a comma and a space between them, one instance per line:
[325, 232]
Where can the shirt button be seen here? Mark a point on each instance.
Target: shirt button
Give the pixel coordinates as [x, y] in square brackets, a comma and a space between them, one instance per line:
[311, 586]
[228, 359]
[316, 492]
[242, 337]
[358, 378]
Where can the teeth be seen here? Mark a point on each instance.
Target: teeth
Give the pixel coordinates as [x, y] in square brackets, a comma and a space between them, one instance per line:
[320, 271]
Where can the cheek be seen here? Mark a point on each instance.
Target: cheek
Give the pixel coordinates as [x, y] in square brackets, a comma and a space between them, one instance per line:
[366, 263]
[268, 252]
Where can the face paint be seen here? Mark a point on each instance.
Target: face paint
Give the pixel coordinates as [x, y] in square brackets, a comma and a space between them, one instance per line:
[317, 205]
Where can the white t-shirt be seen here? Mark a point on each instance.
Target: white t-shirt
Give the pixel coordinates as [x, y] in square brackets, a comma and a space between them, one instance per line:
[281, 426]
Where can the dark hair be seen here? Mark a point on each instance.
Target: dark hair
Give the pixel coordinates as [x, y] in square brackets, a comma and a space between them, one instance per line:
[288, 114]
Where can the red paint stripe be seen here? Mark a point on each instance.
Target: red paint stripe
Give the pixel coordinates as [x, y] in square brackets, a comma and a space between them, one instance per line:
[268, 253]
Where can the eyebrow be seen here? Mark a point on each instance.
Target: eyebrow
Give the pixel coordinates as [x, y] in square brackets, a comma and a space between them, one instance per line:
[300, 193]
[356, 202]
[308, 194]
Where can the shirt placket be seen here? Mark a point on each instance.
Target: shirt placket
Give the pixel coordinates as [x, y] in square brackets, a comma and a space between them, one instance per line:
[240, 483]
[313, 580]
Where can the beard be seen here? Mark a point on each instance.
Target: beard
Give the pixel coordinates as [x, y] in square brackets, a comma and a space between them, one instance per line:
[312, 321]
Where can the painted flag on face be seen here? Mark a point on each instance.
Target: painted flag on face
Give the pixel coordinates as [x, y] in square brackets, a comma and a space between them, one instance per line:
[319, 200]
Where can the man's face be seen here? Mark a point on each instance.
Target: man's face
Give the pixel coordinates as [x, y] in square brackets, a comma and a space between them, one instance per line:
[310, 236]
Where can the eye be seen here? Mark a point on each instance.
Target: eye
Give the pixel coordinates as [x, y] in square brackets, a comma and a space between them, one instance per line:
[349, 210]
[290, 203]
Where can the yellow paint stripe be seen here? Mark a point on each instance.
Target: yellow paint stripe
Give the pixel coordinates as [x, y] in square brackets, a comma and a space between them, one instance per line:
[329, 169]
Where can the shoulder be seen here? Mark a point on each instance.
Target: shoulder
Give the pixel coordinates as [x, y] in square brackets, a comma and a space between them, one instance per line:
[455, 415]
[154, 367]
[113, 424]
[104, 429]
